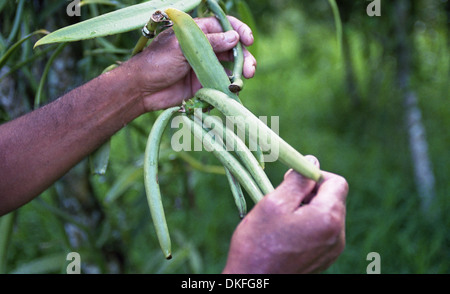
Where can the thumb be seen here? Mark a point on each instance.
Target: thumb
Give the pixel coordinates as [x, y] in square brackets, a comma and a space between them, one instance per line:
[294, 189]
[222, 42]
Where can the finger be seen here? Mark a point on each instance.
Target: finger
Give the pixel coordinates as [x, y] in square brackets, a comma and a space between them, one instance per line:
[243, 30]
[310, 158]
[316, 162]
[210, 25]
[331, 193]
[222, 42]
[195, 84]
[313, 160]
[292, 191]
[250, 63]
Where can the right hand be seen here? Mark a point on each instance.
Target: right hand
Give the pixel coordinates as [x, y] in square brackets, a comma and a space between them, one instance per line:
[298, 228]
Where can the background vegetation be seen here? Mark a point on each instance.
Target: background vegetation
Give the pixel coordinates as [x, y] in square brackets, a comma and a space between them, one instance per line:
[344, 102]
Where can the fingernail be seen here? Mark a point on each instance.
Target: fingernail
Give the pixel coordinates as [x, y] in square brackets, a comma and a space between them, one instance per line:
[312, 159]
[288, 173]
[231, 36]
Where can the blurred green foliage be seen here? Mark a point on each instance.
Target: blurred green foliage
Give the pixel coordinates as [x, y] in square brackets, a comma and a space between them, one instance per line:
[354, 123]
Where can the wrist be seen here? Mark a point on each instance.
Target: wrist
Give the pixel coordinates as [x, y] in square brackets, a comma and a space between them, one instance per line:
[141, 81]
[123, 84]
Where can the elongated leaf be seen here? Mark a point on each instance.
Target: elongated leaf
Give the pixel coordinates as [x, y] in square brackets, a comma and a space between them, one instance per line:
[6, 226]
[127, 179]
[15, 46]
[99, 159]
[119, 21]
[17, 20]
[38, 97]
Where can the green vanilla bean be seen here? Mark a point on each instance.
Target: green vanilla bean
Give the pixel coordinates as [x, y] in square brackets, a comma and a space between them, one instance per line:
[236, 144]
[200, 55]
[236, 189]
[247, 120]
[238, 53]
[151, 181]
[229, 162]
[199, 52]
[238, 195]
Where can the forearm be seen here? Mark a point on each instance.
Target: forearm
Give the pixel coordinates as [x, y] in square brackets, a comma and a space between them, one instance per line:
[40, 147]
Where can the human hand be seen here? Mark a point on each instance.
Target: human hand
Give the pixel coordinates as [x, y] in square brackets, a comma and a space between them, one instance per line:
[165, 77]
[298, 228]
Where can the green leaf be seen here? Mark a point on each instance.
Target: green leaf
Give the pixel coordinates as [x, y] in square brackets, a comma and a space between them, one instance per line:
[99, 159]
[6, 227]
[116, 22]
[126, 180]
[16, 46]
[38, 97]
[337, 21]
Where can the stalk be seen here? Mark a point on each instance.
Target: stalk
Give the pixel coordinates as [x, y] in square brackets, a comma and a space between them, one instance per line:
[157, 21]
[238, 53]
[247, 120]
